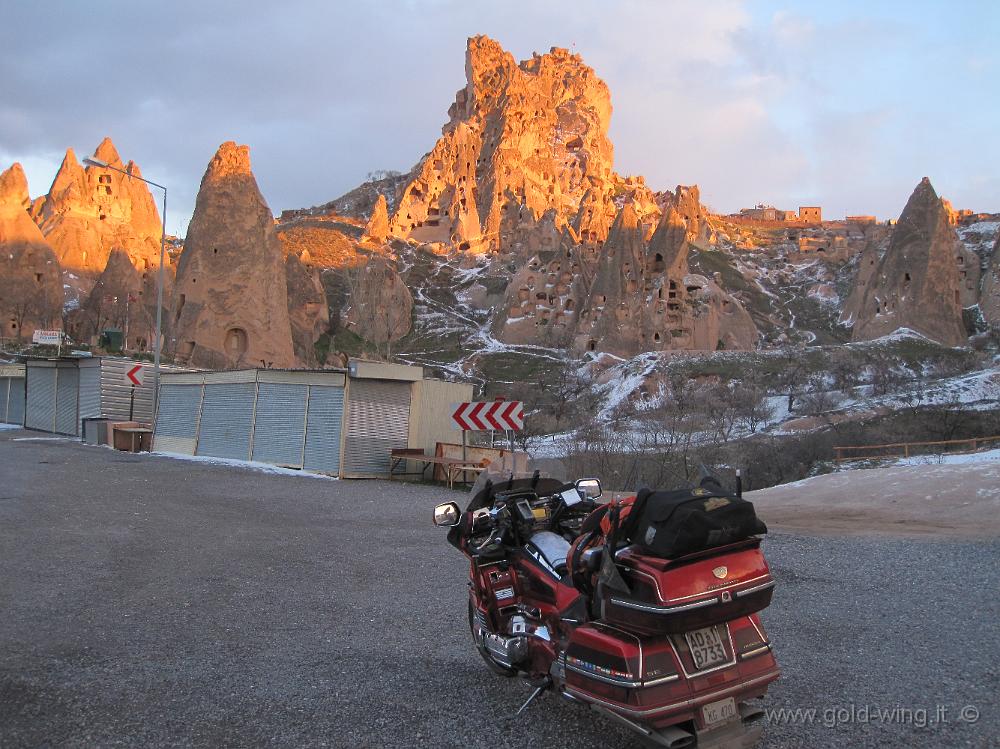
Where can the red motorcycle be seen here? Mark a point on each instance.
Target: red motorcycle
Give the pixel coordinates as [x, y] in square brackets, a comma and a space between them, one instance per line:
[643, 609]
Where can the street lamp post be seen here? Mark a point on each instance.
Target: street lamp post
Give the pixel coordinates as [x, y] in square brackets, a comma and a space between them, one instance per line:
[159, 282]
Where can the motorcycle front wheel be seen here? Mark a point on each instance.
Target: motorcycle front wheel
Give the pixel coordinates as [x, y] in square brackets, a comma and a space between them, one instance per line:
[483, 652]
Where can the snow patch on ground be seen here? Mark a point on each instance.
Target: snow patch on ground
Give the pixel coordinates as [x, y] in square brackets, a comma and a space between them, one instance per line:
[948, 460]
[249, 465]
[9, 427]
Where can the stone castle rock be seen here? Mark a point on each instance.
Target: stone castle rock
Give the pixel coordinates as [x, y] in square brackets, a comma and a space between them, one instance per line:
[31, 295]
[88, 212]
[916, 283]
[230, 301]
[532, 134]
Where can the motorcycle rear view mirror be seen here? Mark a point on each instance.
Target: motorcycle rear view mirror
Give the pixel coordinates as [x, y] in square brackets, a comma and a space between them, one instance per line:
[589, 488]
[447, 515]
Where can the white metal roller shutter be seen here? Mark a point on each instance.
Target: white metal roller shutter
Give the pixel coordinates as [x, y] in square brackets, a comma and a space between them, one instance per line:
[90, 392]
[323, 429]
[41, 398]
[177, 421]
[378, 415]
[280, 423]
[15, 404]
[67, 401]
[226, 419]
[4, 397]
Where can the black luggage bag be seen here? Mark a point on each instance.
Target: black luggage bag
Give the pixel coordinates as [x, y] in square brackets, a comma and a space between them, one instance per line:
[669, 524]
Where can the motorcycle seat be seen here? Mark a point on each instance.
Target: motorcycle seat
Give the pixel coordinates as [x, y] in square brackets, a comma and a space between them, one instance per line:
[552, 548]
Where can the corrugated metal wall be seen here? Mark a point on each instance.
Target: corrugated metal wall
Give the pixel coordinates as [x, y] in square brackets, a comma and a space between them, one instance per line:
[323, 429]
[15, 402]
[116, 392]
[177, 420]
[378, 419]
[226, 421]
[41, 398]
[280, 424]
[294, 419]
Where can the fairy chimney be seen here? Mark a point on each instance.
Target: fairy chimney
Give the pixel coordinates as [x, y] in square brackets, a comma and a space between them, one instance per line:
[307, 309]
[87, 212]
[230, 302]
[989, 301]
[380, 304]
[118, 301]
[377, 230]
[916, 283]
[31, 294]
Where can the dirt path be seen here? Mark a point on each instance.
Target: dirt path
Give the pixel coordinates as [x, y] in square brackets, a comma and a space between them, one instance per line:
[927, 500]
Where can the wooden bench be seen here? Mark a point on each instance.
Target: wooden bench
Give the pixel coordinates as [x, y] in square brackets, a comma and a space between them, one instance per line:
[453, 468]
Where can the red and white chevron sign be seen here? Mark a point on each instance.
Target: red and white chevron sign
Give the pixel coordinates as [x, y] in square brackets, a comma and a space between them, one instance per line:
[498, 415]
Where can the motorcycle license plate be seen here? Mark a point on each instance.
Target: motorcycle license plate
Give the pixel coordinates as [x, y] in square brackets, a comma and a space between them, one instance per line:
[719, 712]
[706, 648]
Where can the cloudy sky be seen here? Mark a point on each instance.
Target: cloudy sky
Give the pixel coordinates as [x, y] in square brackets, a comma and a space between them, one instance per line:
[846, 105]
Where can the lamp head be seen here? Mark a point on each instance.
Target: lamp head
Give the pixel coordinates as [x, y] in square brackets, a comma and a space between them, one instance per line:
[91, 161]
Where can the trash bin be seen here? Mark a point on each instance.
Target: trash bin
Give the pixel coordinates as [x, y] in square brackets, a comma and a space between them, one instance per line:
[95, 430]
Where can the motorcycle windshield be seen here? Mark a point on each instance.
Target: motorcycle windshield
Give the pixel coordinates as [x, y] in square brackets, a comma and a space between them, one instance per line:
[544, 476]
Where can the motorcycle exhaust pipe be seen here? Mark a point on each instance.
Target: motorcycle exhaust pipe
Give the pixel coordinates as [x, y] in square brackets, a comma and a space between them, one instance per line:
[674, 737]
[750, 714]
[671, 737]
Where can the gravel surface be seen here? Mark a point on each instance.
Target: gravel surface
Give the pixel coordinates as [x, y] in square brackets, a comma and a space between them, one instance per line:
[148, 601]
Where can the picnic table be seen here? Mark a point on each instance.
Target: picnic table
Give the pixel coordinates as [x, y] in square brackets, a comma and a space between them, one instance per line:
[452, 468]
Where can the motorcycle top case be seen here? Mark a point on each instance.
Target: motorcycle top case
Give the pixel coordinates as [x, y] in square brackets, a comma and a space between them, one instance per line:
[674, 523]
[698, 590]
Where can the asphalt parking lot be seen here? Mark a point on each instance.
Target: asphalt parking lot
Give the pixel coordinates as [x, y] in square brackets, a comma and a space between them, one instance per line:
[149, 601]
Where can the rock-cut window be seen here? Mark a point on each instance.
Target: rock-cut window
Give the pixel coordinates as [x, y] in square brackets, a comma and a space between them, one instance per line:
[236, 342]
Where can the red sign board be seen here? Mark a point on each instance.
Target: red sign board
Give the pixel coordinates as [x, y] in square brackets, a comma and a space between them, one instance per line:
[496, 415]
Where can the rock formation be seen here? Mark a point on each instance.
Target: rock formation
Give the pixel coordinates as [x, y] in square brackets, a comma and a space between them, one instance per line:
[377, 230]
[969, 275]
[87, 212]
[686, 200]
[989, 301]
[868, 264]
[916, 283]
[533, 134]
[30, 278]
[636, 296]
[307, 309]
[118, 301]
[381, 306]
[230, 302]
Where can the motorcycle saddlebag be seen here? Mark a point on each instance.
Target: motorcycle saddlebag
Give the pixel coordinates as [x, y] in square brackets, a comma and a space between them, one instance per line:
[699, 590]
[670, 524]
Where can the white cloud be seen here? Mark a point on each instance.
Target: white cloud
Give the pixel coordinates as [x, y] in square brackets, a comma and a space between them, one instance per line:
[752, 108]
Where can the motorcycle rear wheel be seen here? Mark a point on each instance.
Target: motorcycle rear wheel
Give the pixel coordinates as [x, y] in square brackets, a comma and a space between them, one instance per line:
[484, 653]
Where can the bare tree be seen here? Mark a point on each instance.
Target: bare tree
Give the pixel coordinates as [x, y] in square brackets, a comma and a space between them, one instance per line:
[793, 375]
